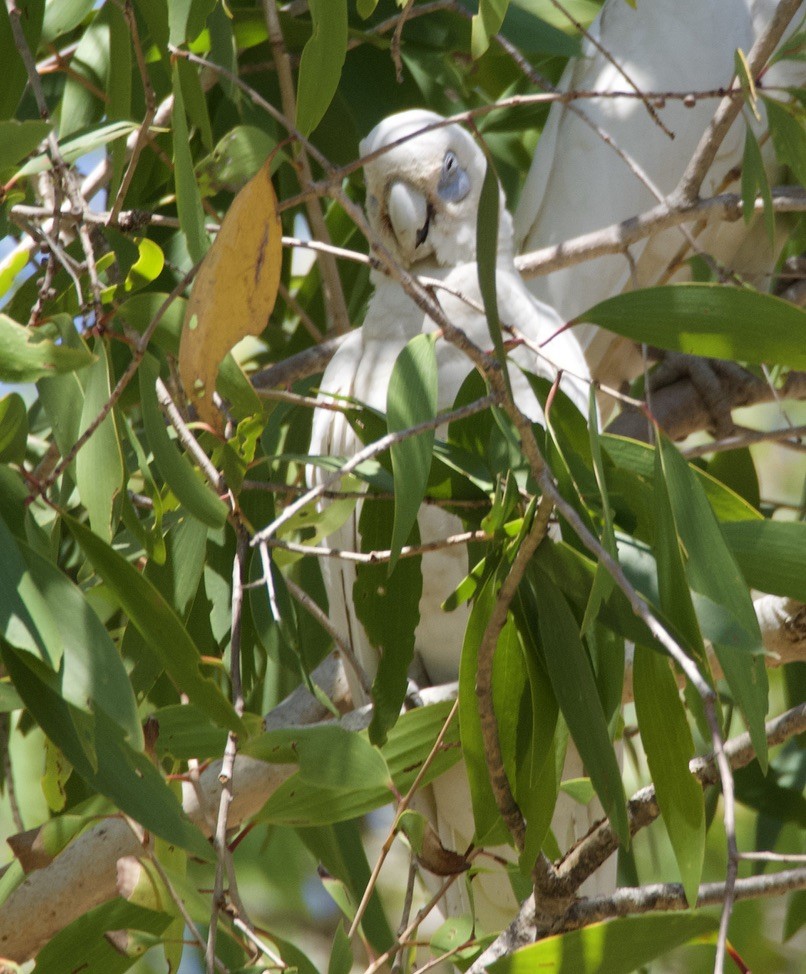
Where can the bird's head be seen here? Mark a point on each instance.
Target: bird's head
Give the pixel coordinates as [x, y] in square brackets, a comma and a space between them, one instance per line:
[423, 195]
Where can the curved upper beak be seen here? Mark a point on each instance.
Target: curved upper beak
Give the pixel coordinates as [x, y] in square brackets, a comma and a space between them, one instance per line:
[408, 214]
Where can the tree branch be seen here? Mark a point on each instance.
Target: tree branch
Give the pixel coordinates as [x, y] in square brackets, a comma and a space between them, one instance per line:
[600, 843]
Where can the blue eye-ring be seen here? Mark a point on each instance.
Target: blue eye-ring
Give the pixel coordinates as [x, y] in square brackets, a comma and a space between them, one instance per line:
[454, 183]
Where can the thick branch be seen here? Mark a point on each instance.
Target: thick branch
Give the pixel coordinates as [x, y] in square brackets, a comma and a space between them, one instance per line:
[600, 843]
[679, 409]
[671, 896]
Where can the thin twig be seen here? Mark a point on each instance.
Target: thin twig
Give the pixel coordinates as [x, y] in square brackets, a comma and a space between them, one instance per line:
[397, 37]
[369, 451]
[62, 170]
[261, 945]
[422, 913]
[405, 913]
[187, 439]
[223, 854]
[143, 132]
[593, 40]
[180, 905]
[688, 189]
[791, 436]
[331, 282]
[402, 805]
[139, 351]
[381, 555]
[343, 644]
[671, 896]
[601, 842]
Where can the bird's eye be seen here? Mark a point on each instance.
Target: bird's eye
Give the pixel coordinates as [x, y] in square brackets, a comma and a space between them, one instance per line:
[454, 183]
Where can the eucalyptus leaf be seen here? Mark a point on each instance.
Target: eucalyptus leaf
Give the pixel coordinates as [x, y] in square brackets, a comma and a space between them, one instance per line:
[411, 400]
[708, 320]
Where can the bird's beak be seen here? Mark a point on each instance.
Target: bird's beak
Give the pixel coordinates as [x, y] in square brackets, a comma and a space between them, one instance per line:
[409, 216]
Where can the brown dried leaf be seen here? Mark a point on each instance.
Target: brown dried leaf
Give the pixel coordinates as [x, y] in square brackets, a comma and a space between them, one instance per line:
[434, 857]
[29, 850]
[234, 291]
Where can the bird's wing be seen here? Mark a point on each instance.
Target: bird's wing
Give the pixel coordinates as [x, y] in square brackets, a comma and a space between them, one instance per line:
[578, 183]
[532, 318]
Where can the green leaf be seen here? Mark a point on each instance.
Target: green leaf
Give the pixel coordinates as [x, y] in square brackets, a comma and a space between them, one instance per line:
[366, 8]
[299, 803]
[159, 625]
[639, 458]
[795, 914]
[673, 589]
[388, 607]
[341, 956]
[25, 356]
[188, 198]
[186, 732]
[96, 749]
[80, 144]
[82, 944]
[747, 82]
[340, 849]
[603, 581]
[82, 102]
[15, 77]
[329, 757]
[99, 464]
[754, 177]
[236, 158]
[486, 24]
[771, 794]
[187, 19]
[574, 686]
[411, 400]
[321, 62]
[454, 932]
[788, 136]
[617, 947]
[9, 698]
[709, 320]
[667, 741]
[770, 554]
[195, 103]
[13, 428]
[176, 469]
[118, 86]
[487, 260]
[63, 16]
[736, 469]
[538, 777]
[26, 619]
[147, 267]
[19, 139]
[93, 675]
[713, 573]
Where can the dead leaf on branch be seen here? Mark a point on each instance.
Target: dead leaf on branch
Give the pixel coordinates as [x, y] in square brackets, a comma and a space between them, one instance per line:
[234, 291]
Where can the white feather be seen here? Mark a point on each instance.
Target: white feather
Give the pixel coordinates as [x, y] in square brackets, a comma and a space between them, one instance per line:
[578, 184]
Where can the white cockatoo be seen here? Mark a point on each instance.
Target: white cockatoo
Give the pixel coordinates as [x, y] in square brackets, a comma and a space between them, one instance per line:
[577, 183]
[422, 202]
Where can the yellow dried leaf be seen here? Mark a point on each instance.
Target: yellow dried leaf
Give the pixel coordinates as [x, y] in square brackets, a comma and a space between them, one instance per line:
[234, 291]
